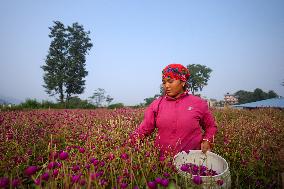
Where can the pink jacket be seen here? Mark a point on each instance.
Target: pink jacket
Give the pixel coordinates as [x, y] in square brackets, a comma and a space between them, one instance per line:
[179, 122]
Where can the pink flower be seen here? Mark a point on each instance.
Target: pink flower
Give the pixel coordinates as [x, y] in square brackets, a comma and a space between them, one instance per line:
[152, 185]
[197, 180]
[123, 185]
[124, 156]
[220, 182]
[55, 172]
[165, 182]
[45, 176]
[4, 182]
[31, 170]
[51, 165]
[63, 155]
[16, 182]
[81, 150]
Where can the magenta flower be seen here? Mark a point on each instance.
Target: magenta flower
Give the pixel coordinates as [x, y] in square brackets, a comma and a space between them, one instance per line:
[75, 178]
[63, 155]
[45, 176]
[81, 150]
[4, 182]
[158, 180]
[124, 156]
[76, 168]
[111, 156]
[96, 162]
[165, 182]
[152, 185]
[166, 175]
[82, 182]
[92, 160]
[123, 185]
[135, 187]
[184, 167]
[16, 182]
[55, 172]
[220, 182]
[37, 181]
[102, 163]
[197, 180]
[31, 170]
[51, 165]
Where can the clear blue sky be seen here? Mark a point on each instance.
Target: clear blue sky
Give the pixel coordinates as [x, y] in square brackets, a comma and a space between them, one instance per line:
[242, 41]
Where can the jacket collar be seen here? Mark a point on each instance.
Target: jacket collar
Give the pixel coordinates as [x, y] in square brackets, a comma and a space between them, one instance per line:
[180, 97]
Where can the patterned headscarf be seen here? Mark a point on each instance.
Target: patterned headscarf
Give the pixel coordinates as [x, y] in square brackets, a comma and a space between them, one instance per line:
[176, 71]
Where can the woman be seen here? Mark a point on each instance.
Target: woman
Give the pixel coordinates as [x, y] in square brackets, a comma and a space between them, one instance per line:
[184, 121]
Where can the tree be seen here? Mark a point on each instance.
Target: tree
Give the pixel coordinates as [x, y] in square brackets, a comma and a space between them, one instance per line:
[109, 99]
[272, 94]
[256, 95]
[64, 71]
[98, 97]
[199, 76]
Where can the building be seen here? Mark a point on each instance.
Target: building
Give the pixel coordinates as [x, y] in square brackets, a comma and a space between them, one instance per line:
[268, 103]
[230, 99]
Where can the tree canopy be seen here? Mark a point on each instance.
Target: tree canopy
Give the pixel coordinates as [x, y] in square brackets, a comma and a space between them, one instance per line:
[199, 76]
[64, 69]
[258, 94]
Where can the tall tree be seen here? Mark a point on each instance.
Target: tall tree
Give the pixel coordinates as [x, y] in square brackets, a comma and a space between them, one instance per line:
[64, 71]
[199, 76]
[98, 97]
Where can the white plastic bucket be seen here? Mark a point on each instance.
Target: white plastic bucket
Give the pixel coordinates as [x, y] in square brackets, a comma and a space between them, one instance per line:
[211, 161]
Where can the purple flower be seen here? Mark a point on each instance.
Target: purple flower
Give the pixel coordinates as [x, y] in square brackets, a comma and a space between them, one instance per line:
[51, 165]
[165, 182]
[158, 180]
[76, 168]
[152, 185]
[87, 166]
[75, 178]
[45, 176]
[135, 187]
[81, 150]
[63, 155]
[37, 181]
[123, 185]
[31, 170]
[4, 182]
[16, 182]
[95, 162]
[124, 156]
[82, 182]
[184, 167]
[220, 182]
[55, 172]
[197, 180]
[102, 163]
[166, 175]
[92, 160]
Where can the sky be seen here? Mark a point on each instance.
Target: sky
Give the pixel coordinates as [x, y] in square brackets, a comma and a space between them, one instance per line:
[242, 41]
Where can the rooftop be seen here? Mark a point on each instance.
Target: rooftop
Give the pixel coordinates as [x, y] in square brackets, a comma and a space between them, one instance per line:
[268, 103]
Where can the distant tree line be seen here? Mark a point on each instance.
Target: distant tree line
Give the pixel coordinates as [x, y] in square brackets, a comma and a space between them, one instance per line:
[258, 94]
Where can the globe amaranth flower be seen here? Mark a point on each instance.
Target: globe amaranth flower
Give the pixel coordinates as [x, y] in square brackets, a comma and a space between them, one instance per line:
[45, 176]
[30, 170]
[4, 182]
[63, 155]
[197, 180]
[152, 185]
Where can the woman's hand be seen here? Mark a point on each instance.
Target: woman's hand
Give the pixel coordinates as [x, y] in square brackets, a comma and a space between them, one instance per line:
[205, 146]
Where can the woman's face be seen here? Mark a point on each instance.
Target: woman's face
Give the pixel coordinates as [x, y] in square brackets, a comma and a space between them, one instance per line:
[173, 87]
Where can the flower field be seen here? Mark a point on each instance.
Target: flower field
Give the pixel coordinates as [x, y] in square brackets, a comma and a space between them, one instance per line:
[86, 149]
